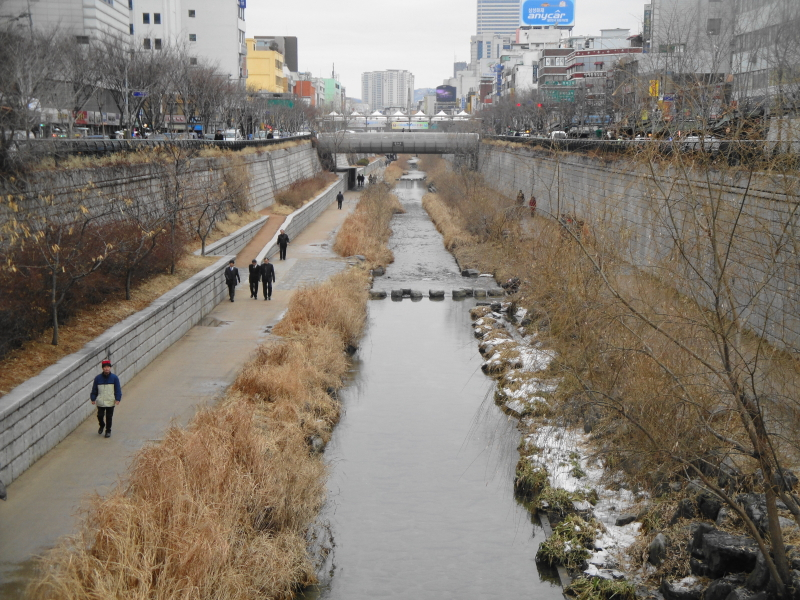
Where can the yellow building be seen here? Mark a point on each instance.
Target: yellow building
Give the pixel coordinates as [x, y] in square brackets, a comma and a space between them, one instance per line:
[265, 67]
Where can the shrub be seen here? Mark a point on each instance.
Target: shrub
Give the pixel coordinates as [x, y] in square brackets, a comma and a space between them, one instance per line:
[597, 588]
[304, 190]
[529, 479]
[363, 162]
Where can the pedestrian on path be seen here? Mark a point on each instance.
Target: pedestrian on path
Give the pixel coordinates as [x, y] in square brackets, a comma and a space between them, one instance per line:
[231, 279]
[521, 198]
[255, 275]
[283, 241]
[339, 199]
[267, 277]
[106, 394]
[532, 204]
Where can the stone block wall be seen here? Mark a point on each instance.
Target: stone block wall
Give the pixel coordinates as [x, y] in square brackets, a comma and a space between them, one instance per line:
[637, 209]
[38, 414]
[236, 241]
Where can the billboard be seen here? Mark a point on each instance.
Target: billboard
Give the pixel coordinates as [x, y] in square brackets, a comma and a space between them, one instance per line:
[548, 12]
[412, 126]
[445, 93]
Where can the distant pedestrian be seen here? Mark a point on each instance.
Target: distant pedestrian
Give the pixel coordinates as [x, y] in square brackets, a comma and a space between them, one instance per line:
[231, 279]
[218, 136]
[255, 275]
[283, 241]
[267, 278]
[532, 204]
[339, 199]
[521, 198]
[106, 394]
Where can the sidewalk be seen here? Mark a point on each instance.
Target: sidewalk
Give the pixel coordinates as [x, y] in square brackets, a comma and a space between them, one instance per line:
[43, 503]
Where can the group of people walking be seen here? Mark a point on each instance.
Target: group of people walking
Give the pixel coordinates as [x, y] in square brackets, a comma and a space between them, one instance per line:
[360, 179]
[265, 272]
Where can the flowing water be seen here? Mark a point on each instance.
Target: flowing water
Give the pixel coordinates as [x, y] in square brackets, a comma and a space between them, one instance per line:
[422, 463]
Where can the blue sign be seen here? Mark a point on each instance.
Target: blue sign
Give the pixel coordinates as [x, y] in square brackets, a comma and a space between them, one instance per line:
[242, 3]
[548, 12]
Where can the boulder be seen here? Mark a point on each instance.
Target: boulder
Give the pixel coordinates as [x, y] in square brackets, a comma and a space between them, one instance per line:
[698, 567]
[685, 510]
[458, 294]
[316, 444]
[397, 294]
[406, 292]
[729, 473]
[496, 307]
[468, 292]
[470, 273]
[709, 506]
[496, 292]
[415, 295]
[698, 530]
[727, 553]
[436, 294]
[724, 517]
[378, 271]
[657, 550]
[624, 520]
[377, 294]
[758, 578]
[720, 588]
[755, 505]
[745, 594]
[480, 293]
[688, 588]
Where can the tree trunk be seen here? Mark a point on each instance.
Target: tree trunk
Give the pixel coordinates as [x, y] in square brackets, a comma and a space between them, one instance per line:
[54, 306]
[128, 277]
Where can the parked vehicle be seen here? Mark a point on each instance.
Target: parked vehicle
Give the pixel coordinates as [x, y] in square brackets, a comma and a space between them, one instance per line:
[558, 135]
[231, 135]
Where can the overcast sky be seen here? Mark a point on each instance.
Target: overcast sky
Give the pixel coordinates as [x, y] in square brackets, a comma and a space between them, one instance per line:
[422, 36]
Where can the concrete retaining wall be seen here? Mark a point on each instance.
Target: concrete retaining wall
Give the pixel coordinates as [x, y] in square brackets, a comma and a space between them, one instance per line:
[300, 219]
[236, 241]
[637, 210]
[38, 414]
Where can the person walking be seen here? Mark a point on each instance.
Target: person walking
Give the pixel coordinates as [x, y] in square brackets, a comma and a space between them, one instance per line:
[532, 204]
[106, 394]
[267, 277]
[255, 275]
[339, 199]
[231, 279]
[521, 198]
[283, 241]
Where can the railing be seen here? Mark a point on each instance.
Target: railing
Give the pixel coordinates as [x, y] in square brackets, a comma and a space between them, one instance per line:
[65, 147]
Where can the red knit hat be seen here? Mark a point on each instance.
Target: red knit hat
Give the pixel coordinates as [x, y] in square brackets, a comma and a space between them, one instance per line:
[106, 363]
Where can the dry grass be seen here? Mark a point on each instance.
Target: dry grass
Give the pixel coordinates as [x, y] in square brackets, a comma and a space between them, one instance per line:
[221, 510]
[366, 231]
[36, 355]
[395, 169]
[300, 192]
[447, 221]
[233, 222]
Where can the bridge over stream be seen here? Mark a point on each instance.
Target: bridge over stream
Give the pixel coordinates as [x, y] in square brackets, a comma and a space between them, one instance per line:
[398, 143]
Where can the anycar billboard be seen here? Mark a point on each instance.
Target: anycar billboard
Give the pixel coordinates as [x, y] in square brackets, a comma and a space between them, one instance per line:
[445, 93]
[548, 12]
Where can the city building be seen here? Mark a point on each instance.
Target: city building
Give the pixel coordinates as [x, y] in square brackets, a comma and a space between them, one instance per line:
[335, 97]
[86, 19]
[498, 17]
[392, 88]
[209, 29]
[287, 46]
[265, 66]
[459, 66]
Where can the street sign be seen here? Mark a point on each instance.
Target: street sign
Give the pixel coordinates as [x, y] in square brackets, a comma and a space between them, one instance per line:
[139, 94]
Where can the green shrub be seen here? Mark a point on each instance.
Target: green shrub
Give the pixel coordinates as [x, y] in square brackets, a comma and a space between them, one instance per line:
[597, 588]
[363, 162]
[529, 479]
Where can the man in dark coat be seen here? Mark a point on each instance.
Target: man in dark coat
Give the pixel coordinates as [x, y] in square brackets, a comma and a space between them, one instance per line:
[106, 394]
[255, 275]
[339, 199]
[283, 241]
[231, 279]
[267, 277]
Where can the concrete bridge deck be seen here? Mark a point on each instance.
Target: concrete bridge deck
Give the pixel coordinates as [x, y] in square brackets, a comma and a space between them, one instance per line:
[398, 143]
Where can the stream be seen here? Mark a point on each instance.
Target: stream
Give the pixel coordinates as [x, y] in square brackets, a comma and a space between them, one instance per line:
[420, 494]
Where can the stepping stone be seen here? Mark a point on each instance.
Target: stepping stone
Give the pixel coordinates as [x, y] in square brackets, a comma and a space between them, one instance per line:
[377, 294]
[436, 294]
[397, 294]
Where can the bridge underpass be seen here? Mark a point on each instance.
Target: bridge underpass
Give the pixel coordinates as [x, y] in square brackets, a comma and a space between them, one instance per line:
[398, 143]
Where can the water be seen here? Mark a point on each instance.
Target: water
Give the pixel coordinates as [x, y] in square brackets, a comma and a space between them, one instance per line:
[420, 494]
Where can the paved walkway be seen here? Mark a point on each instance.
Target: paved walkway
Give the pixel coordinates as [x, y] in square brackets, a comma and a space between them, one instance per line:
[43, 503]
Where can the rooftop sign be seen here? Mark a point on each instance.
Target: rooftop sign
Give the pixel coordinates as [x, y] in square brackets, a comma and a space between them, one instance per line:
[560, 13]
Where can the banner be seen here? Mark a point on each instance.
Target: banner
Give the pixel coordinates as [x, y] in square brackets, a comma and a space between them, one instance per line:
[560, 13]
[654, 85]
[414, 125]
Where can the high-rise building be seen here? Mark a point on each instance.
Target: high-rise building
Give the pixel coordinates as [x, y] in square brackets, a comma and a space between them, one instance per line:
[459, 66]
[393, 88]
[83, 18]
[208, 29]
[498, 17]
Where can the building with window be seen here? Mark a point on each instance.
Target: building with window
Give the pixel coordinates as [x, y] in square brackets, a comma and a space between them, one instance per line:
[211, 30]
[498, 17]
[265, 66]
[86, 19]
[392, 88]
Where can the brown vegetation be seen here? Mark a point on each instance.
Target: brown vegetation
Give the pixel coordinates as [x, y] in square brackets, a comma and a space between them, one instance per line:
[395, 169]
[222, 508]
[303, 190]
[675, 384]
[366, 231]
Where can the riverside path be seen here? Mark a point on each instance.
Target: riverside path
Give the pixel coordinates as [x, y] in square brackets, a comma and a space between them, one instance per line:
[44, 502]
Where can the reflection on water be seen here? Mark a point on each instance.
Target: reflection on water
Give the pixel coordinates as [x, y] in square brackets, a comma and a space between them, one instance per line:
[420, 493]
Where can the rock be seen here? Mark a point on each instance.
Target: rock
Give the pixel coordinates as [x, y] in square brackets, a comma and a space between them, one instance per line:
[698, 567]
[360, 257]
[496, 292]
[688, 588]
[720, 588]
[755, 505]
[675, 486]
[526, 321]
[796, 584]
[624, 520]
[458, 294]
[415, 295]
[468, 292]
[726, 553]
[316, 444]
[709, 506]
[724, 517]
[378, 271]
[496, 306]
[785, 479]
[698, 530]
[729, 473]
[377, 294]
[397, 294]
[436, 294]
[470, 273]
[745, 594]
[489, 304]
[685, 510]
[657, 550]
[480, 293]
[406, 292]
[758, 579]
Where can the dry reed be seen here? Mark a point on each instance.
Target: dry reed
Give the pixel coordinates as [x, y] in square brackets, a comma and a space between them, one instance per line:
[303, 190]
[220, 510]
[366, 231]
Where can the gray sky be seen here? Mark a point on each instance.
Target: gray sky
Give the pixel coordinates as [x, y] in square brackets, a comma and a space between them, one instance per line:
[422, 36]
